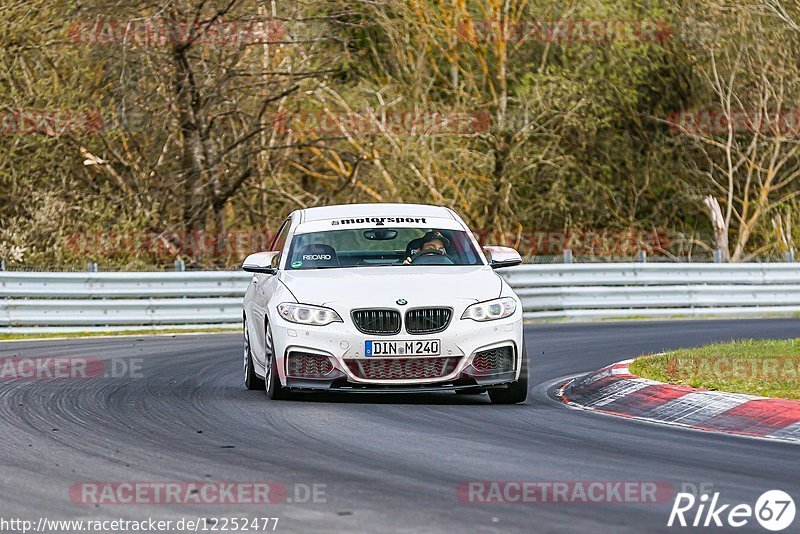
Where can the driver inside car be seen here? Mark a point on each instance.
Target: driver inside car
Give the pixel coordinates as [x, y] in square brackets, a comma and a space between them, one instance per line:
[433, 241]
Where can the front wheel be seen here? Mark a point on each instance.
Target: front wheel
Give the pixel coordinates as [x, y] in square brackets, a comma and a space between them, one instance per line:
[251, 379]
[275, 390]
[517, 392]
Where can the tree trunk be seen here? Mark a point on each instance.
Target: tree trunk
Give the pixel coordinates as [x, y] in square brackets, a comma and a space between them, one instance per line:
[719, 227]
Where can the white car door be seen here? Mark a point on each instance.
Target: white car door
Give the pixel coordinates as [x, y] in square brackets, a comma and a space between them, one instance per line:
[258, 301]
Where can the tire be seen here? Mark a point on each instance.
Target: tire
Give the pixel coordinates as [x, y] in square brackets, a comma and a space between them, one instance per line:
[516, 392]
[251, 379]
[275, 391]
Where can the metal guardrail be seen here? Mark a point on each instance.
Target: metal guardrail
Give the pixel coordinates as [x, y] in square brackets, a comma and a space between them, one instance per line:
[117, 299]
[119, 285]
[594, 291]
[552, 291]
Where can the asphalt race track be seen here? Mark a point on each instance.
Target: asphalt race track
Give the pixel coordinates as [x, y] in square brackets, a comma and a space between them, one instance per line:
[389, 464]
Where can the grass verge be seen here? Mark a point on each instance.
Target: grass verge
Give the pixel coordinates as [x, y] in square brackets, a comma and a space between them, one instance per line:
[767, 368]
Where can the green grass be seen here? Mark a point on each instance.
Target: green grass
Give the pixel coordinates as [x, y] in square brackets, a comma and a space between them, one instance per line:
[765, 368]
[10, 337]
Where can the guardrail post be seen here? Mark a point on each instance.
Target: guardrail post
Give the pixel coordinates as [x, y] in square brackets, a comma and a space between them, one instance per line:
[718, 256]
[92, 267]
[790, 256]
[567, 256]
[2, 265]
[641, 256]
[179, 265]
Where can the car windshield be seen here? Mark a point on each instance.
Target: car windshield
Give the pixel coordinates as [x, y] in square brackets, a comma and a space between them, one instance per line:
[381, 246]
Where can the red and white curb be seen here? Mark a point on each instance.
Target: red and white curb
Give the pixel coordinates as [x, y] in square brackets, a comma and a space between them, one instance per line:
[614, 390]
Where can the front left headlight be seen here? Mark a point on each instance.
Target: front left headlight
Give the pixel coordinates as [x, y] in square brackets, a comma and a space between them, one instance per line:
[308, 314]
[491, 310]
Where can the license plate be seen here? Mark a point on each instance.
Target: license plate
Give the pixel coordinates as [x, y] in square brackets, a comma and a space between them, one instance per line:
[430, 347]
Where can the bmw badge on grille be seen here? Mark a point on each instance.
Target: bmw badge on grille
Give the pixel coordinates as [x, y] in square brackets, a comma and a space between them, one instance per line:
[402, 302]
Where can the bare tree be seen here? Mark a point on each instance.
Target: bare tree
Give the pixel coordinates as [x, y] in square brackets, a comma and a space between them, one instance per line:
[748, 138]
[777, 8]
[209, 97]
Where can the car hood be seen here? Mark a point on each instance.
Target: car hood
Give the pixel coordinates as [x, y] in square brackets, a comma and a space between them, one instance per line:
[382, 286]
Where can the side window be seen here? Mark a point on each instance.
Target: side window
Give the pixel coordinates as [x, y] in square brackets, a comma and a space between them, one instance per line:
[280, 238]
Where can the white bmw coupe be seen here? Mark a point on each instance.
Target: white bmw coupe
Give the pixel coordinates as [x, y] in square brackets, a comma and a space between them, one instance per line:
[382, 298]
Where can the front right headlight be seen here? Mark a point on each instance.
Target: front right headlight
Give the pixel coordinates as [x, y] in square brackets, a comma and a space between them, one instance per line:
[308, 314]
[491, 310]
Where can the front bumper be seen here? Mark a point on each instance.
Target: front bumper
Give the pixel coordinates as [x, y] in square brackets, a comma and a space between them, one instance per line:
[342, 386]
[342, 343]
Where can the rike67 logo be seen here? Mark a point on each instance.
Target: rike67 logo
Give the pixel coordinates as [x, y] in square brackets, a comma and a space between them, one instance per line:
[774, 510]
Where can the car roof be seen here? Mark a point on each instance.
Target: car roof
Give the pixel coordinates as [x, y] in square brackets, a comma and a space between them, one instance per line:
[374, 210]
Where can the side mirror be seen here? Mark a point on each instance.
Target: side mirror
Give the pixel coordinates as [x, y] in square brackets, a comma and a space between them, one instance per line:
[500, 257]
[261, 262]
